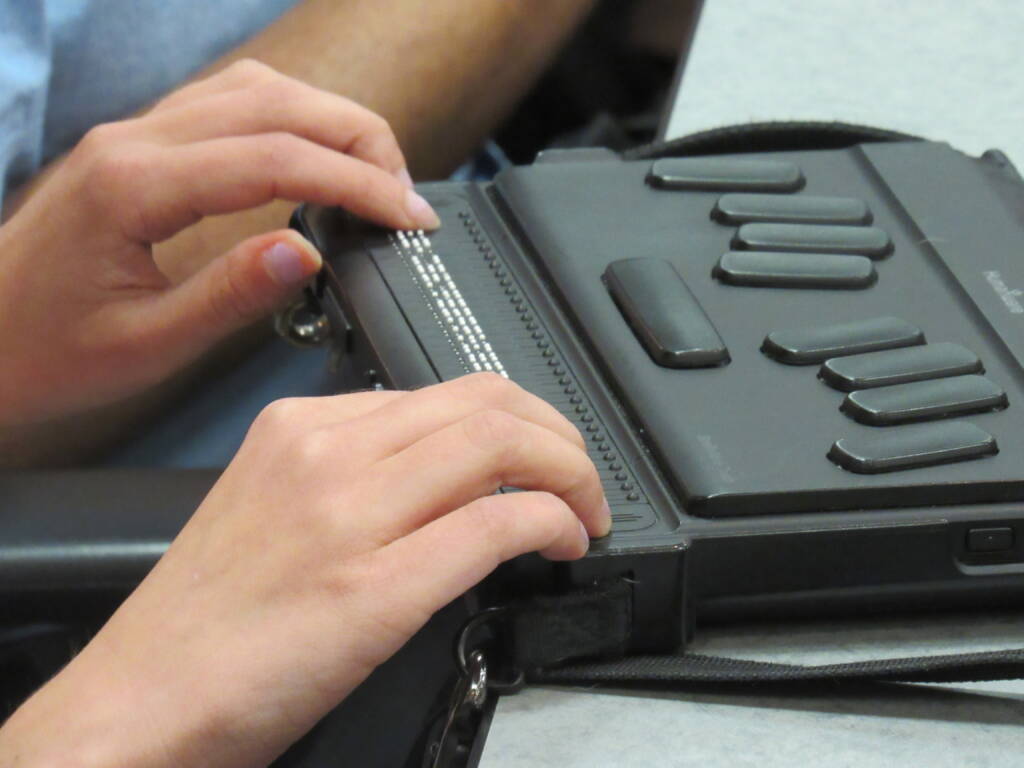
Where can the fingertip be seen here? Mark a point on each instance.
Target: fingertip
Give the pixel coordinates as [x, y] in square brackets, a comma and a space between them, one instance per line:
[420, 211]
[571, 547]
[604, 520]
[291, 260]
[584, 539]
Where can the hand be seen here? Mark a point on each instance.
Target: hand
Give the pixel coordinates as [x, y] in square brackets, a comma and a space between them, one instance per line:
[342, 524]
[86, 315]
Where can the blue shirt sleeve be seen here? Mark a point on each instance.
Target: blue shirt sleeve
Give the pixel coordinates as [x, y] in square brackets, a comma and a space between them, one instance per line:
[67, 65]
[24, 73]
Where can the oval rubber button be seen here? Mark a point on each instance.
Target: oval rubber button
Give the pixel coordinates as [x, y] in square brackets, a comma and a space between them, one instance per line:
[921, 445]
[899, 366]
[922, 400]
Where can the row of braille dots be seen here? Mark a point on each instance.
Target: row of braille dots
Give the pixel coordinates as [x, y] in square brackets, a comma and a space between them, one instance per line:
[581, 410]
[449, 302]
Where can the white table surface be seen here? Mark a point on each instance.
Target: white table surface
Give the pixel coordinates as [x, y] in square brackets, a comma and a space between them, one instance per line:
[951, 70]
[966, 725]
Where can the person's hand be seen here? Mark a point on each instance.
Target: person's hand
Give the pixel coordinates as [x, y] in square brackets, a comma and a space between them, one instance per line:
[86, 315]
[342, 524]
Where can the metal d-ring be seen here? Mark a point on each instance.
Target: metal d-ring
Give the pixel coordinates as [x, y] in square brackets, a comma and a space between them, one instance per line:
[303, 322]
[461, 655]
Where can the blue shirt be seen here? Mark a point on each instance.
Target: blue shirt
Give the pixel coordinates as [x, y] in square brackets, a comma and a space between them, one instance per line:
[67, 65]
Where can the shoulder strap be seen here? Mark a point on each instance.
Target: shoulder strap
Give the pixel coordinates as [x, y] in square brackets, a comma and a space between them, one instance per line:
[697, 668]
[767, 137]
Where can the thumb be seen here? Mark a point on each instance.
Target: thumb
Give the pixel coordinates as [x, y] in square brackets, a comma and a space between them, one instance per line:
[251, 280]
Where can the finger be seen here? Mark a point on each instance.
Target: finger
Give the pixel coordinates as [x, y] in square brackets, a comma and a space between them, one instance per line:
[473, 458]
[286, 105]
[254, 278]
[166, 189]
[240, 74]
[475, 539]
[433, 408]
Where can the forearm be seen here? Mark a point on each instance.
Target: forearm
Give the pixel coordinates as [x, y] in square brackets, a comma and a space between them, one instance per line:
[442, 73]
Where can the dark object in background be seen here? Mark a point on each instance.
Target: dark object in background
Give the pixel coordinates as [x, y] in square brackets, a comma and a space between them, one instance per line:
[601, 91]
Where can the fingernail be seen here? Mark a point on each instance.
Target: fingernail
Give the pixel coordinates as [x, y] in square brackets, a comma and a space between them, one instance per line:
[420, 211]
[584, 537]
[606, 518]
[286, 264]
[404, 177]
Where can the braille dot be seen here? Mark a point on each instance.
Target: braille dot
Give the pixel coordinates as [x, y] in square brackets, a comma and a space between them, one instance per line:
[570, 390]
[500, 272]
[620, 476]
[547, 353]
[615, 467]
[626, 486]
[526, 317]
[575, 399]
[563, 381]
[581, 409]
[504, 281]
[537, 334]
[590, 427]
[531, 326]
[543, 343]
[552, 362]
[511, 291]
[608, 456]
[559, 371]
[633, 496]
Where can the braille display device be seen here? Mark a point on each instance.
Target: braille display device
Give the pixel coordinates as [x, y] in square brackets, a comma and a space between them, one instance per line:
[796, 372]
[799, 374]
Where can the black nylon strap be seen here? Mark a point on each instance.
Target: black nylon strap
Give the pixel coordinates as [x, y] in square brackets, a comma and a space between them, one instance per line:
[767, 137]
[581, 638]
[550, 629]
[697, 668]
